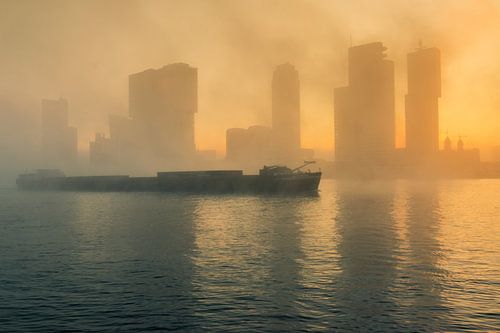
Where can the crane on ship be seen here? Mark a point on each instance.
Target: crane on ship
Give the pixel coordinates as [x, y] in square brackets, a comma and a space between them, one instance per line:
[283, 170]
[306, 163]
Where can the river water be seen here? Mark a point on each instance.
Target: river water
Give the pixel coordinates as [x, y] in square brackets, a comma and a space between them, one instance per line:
[374, 256]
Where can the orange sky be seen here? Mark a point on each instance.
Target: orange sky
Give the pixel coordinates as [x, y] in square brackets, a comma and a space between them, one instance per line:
[84, 51]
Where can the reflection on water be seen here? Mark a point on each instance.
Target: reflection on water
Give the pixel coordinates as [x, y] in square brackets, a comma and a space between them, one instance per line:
[227, 262]
[367, 247]
[383, 256]
[248, 261]
[424, 274]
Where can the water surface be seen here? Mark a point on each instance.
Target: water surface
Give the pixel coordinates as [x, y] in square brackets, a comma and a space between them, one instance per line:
[381, 256]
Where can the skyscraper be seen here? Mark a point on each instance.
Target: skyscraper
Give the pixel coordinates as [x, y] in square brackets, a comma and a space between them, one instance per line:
[424, 90]
[122, 146]
[59, 141]
[163, 103]
[364, 110]
[249, 147]
[286, 111]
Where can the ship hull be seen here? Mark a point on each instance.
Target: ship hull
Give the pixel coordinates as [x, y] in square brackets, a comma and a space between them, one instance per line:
[189, 182]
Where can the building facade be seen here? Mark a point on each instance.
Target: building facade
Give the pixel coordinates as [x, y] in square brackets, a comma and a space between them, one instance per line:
[286, 112]
[163, 103]
[59, 141]
[364, 110]
[421, 104]
[249, 147]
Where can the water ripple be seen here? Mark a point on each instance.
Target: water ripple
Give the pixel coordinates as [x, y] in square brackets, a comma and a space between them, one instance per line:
[381, 256]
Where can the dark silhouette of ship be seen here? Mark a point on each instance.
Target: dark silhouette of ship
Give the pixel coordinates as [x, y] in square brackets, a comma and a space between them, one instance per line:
[271, 179]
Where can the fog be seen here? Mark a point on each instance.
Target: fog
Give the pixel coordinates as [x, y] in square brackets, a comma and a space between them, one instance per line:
[84, 51]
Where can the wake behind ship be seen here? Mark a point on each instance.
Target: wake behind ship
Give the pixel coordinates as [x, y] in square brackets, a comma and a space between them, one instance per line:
[271, 179]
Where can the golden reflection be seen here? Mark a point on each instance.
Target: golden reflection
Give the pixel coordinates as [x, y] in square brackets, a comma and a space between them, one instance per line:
[400, 212]
[470, 234]
[319, 265]
[252, 247]
[425, 277]
[368, 249]
[230, 245]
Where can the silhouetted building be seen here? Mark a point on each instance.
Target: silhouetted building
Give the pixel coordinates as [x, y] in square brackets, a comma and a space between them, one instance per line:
[207, 154]
[122, 130]
[163, 104]
[424, 90]
[460, 145]
[236, 143]
[280, 144]
[447, 144]
[460, 162]
[286, 112]
[59, 141]
[101, 150]
[249, 147]
[364, 110]
[122, 148]
[126, 139]
[496, 154]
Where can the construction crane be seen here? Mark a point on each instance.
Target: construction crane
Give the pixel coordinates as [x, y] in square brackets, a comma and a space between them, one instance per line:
[306, 163]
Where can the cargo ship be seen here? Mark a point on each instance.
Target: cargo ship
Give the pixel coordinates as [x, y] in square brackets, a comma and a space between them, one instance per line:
[271, 179]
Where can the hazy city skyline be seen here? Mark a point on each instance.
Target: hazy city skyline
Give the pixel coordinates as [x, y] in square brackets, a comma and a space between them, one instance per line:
[250, 165]
[92, 74]
[159, 132]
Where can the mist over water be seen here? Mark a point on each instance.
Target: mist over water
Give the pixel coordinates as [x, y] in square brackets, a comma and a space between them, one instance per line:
[84, 51]
[385, 256]
[113, 87]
